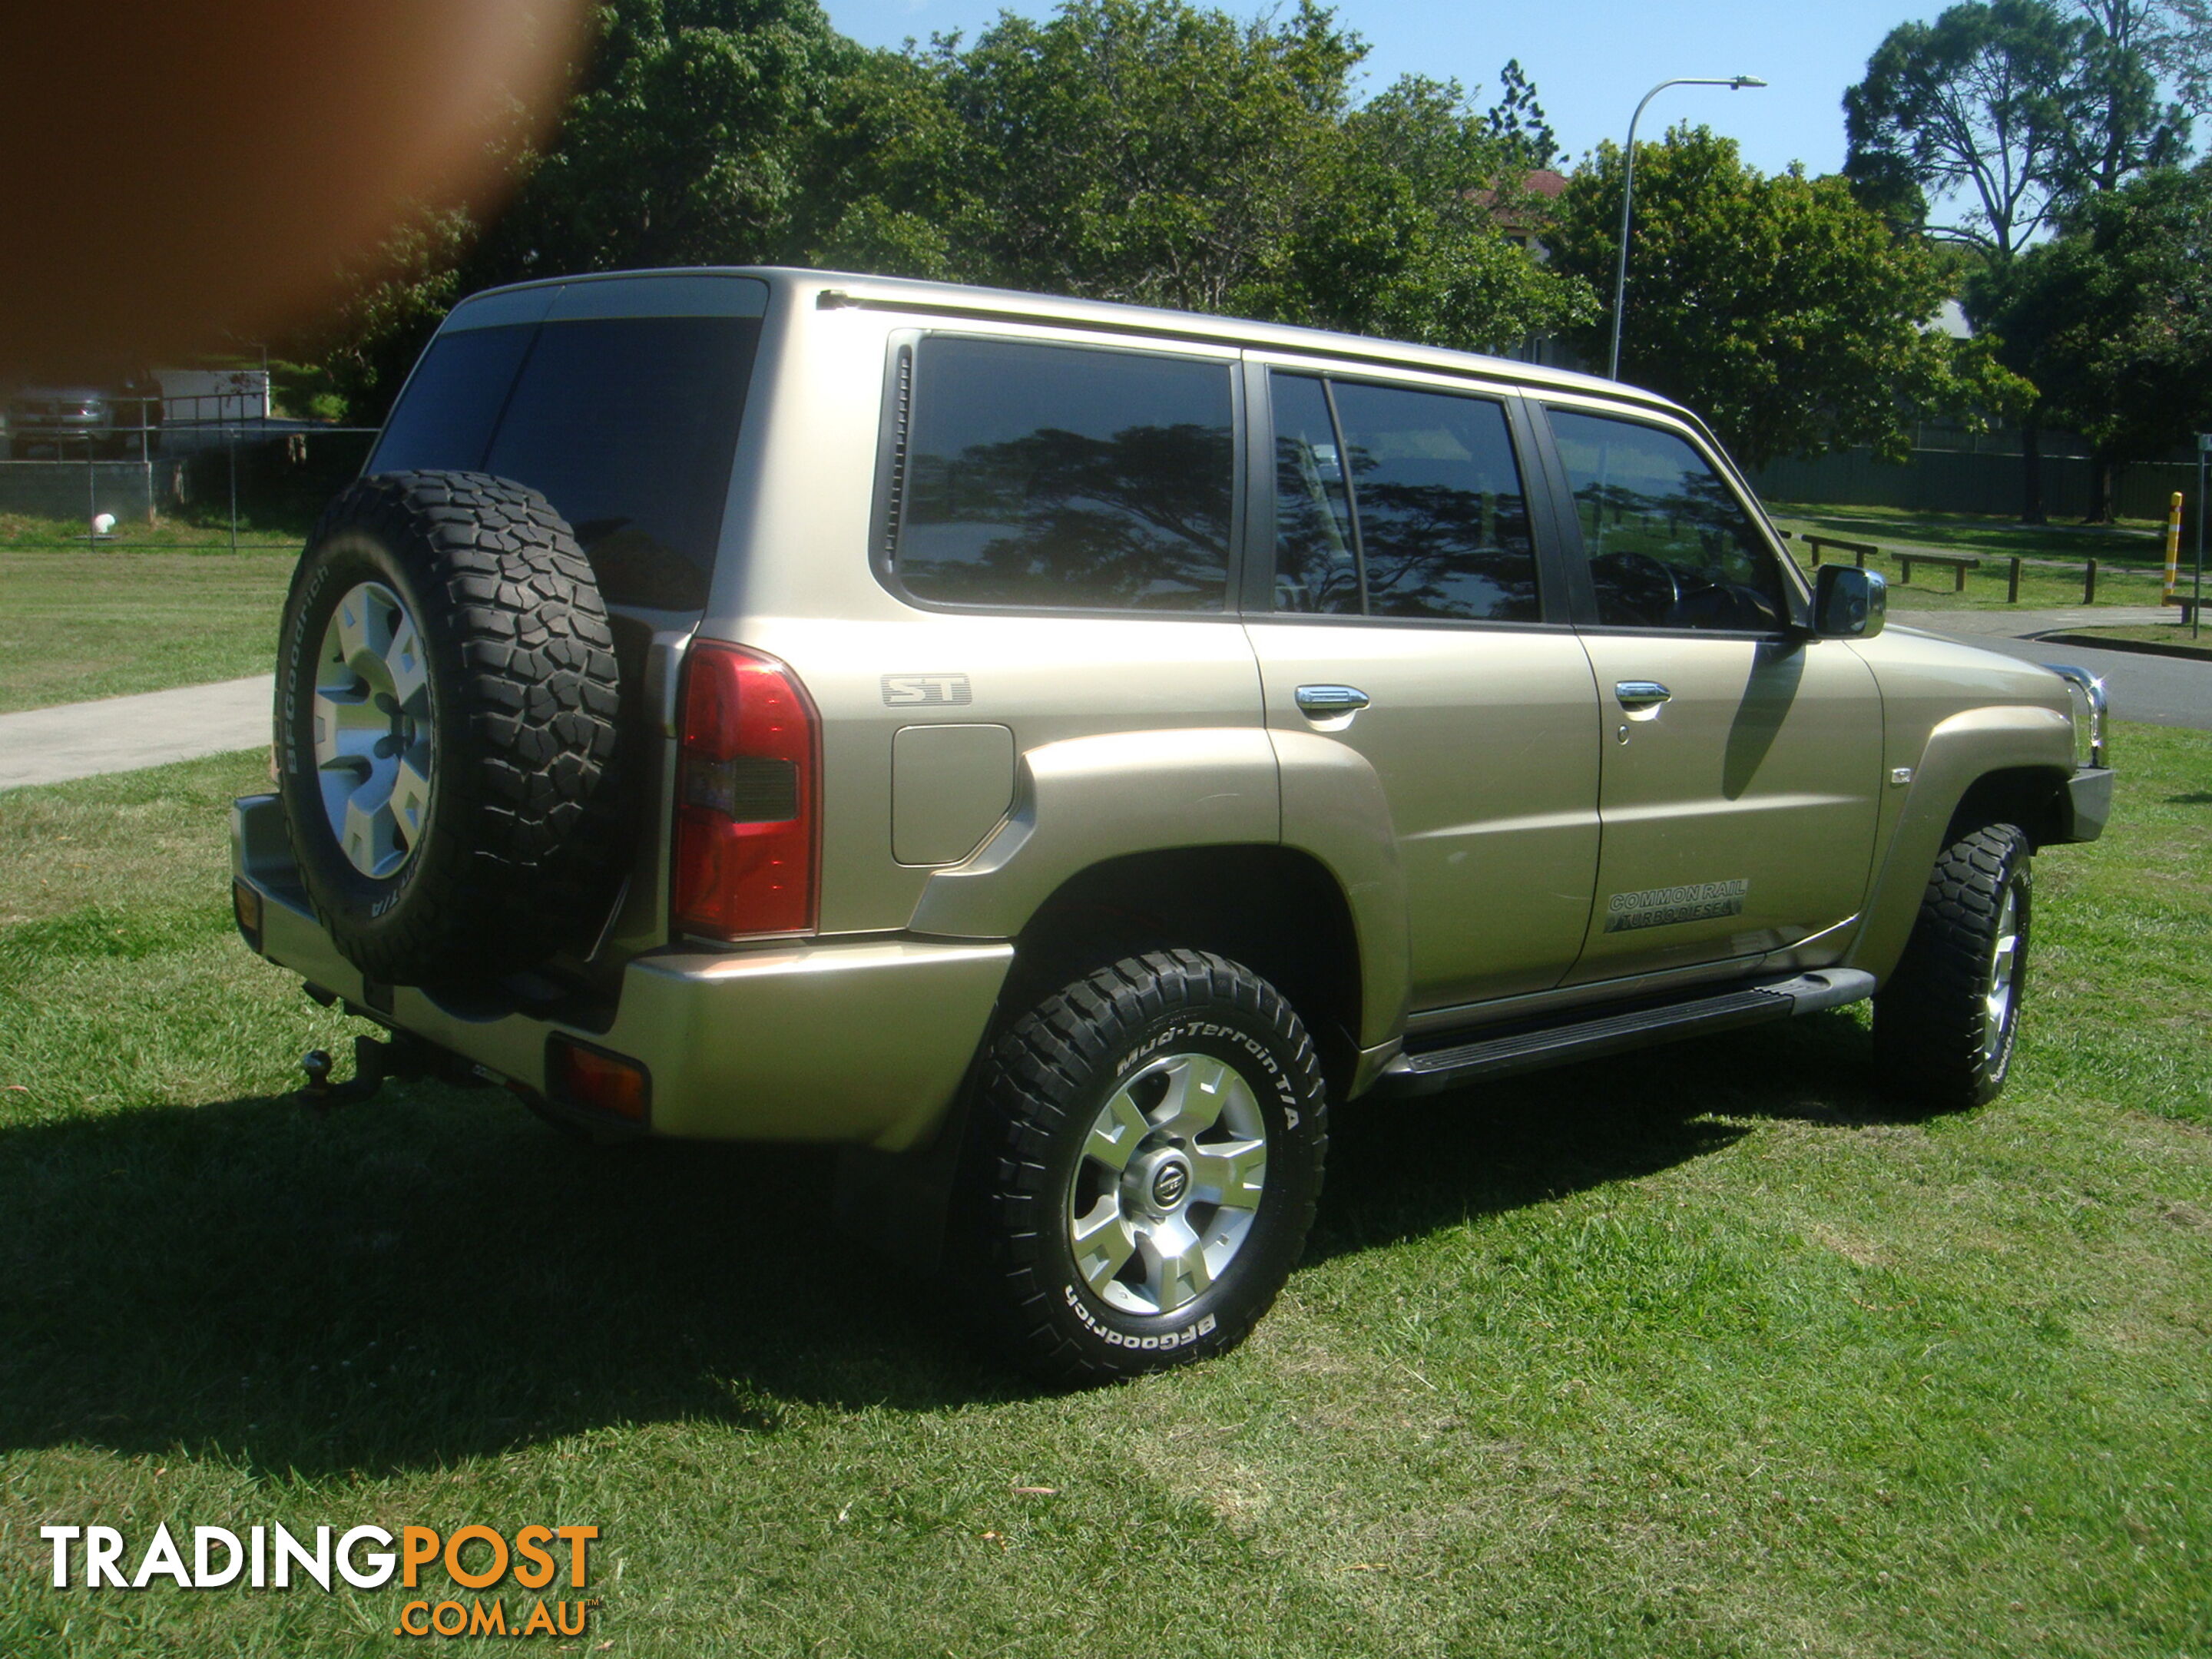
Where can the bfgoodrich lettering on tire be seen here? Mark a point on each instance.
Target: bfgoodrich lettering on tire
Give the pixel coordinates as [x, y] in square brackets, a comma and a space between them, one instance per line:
[446, 721]
[1945, 1023]
[1150, 1141]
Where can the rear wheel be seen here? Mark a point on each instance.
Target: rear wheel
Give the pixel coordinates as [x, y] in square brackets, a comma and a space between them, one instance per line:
[1945, 1024]
[1150, 1141]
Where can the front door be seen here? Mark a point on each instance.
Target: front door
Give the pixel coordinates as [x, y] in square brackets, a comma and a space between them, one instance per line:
[1741, 761]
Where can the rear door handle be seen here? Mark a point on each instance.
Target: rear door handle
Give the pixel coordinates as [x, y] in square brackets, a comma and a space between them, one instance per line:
[1640, 694]
[1322, 702]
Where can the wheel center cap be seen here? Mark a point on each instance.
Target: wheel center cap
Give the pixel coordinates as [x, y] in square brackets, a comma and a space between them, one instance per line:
[1170, 1182]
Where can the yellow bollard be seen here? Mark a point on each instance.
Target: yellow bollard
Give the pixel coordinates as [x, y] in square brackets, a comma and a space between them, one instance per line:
[2168, 595]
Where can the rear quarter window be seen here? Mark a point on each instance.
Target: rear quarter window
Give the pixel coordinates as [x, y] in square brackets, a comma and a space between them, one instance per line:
[1065, 477]
[627, 424]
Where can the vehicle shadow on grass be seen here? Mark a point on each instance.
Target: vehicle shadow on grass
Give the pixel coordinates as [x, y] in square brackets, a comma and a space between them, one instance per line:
[433, 1276]
[1401, 1168]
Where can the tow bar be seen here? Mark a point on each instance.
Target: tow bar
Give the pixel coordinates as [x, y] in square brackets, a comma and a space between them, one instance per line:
[375, 1064]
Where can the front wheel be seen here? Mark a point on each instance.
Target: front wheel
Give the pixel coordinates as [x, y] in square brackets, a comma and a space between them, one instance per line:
[1945, 1024]
[1149, 1147]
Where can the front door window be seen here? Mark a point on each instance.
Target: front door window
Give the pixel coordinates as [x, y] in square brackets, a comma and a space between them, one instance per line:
[1669, 545]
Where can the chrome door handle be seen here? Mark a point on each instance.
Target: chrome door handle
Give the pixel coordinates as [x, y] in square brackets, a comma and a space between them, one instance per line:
[1322, 702]
[1640, 694]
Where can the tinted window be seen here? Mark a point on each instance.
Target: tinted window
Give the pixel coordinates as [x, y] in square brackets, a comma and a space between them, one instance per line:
[453, 400]
[1669, 545]
[1061, 477]
[1397, 502]
[627, 424]
[1316, 568]
[1444, 527]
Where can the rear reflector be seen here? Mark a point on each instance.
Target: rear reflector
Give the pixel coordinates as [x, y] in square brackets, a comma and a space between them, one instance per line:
[246, 907]
[577, 1075]
[747, 784]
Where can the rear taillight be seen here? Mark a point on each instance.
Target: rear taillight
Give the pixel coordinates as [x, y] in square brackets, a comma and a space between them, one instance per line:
[748, 778]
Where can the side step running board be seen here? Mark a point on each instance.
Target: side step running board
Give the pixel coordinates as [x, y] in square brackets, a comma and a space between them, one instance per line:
[1436, 1069]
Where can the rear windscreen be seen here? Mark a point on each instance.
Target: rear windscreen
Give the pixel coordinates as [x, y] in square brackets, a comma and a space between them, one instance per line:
[626, 424]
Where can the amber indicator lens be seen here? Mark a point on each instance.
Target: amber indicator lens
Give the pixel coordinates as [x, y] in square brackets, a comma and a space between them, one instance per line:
[583, 1076]
[245, 905]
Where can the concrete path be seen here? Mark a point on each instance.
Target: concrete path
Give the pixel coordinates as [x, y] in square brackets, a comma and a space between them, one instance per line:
[2163, 691]
[121, 734]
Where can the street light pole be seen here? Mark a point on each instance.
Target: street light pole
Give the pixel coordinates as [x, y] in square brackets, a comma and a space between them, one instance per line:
[1734, 83]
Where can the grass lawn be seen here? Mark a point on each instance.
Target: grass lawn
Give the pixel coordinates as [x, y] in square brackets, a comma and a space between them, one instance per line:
[2137, 540]
[79, 625]
[1705, 1352]
[2131, 556]
[2172, 636]
[174, 532]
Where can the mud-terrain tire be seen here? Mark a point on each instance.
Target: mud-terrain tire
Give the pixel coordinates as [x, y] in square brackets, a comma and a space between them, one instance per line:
[1945, 1024]
[447, 717]
[1170, 1110]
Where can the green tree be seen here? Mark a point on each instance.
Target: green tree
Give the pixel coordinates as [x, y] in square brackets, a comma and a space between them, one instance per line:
[696, 134]
[1158, 153]
[1516, 120]
[1778, 306]
[1985, 103]
[1151, 151]
[1143, 150]
[2019, 111]
[2112, 320]
[2173, 37]
[693, 138]
[1403, 229]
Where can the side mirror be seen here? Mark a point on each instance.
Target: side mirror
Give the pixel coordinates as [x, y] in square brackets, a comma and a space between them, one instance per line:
[1848, 603]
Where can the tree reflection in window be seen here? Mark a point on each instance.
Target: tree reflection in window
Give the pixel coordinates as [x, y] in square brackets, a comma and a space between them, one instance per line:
[1669, 545]
[1443, 526]
[1068, 477]
[1316, 564]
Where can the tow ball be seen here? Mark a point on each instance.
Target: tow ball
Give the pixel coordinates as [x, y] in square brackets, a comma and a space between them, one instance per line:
[375, 1064]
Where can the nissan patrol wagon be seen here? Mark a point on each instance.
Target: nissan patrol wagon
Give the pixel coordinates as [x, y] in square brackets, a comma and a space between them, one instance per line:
[1061, 752]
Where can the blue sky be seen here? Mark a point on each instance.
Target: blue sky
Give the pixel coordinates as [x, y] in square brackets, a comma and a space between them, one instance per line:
[1590, 59]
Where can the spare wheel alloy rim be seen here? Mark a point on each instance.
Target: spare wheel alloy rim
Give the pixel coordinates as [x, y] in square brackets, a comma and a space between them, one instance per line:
[374, 741]
[1165, 1191]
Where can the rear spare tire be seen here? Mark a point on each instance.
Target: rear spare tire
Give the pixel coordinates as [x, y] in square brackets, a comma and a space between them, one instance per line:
[447, 707]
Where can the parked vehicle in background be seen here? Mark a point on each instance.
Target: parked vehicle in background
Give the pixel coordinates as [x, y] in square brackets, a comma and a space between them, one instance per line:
[68, 423]
[1063, 752]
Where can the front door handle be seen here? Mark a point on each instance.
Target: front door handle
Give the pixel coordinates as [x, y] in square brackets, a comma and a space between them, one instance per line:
[1640, 694]
[1322, 702]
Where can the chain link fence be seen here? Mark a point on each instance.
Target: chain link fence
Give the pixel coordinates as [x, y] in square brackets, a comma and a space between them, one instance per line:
[217, 470]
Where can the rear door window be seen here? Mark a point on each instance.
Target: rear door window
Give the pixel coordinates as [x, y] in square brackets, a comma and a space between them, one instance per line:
[627, 424]
[1065, 477]
[1398, 501]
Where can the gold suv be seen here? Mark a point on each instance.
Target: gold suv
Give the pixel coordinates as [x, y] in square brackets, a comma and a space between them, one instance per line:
[1060, 752]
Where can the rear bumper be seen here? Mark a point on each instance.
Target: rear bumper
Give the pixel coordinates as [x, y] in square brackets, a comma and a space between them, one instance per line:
[864, 1043]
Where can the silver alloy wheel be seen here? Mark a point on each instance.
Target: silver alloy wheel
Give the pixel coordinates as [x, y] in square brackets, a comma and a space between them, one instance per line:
[2004, 966]
[372, 730]
[1168, 1184]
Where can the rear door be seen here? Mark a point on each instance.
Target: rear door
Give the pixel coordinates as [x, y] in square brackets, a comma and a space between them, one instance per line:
[1408, 616]
[1741, 760]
